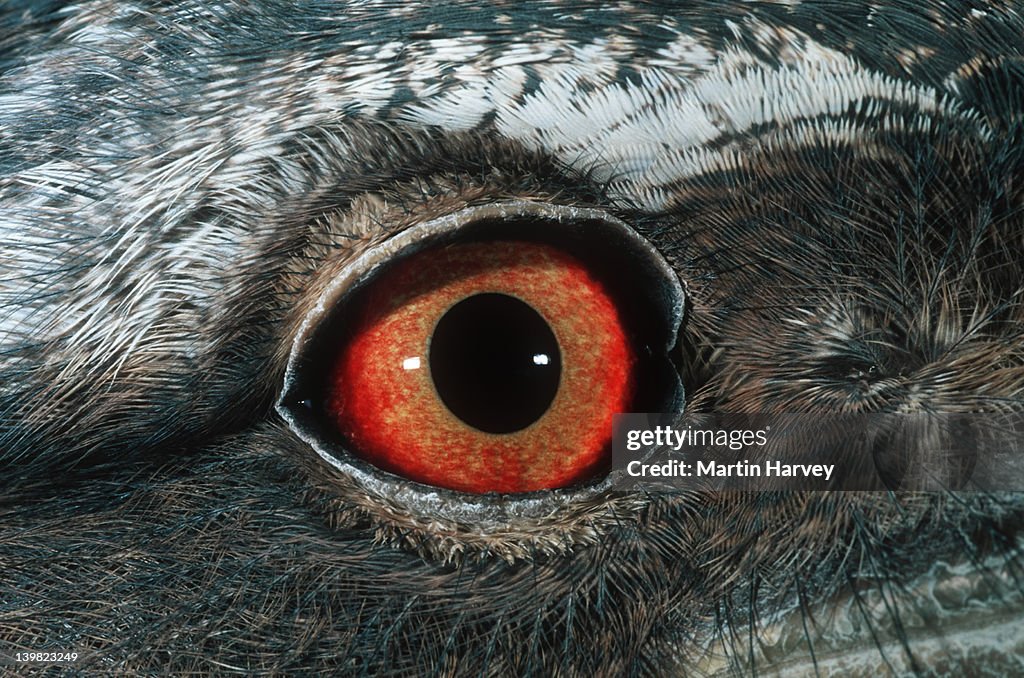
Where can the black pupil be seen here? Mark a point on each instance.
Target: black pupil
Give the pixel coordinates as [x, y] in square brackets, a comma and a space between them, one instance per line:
[495, 362]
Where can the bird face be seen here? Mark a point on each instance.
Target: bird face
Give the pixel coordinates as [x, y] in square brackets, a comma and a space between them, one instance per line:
[213, 216]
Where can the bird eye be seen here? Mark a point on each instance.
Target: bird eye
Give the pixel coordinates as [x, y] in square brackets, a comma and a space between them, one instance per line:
[490, 354]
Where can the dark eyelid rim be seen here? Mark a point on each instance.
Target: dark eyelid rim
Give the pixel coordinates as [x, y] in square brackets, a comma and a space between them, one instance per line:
[484, 511]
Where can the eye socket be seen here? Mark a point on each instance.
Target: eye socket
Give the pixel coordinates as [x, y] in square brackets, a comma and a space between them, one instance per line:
[573, 293]
[484, 367]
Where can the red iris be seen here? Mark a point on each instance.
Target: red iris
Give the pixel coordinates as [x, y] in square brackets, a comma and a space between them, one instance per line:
[438, 381]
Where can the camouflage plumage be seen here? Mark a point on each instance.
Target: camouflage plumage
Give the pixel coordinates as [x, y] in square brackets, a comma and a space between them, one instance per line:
[839, 184]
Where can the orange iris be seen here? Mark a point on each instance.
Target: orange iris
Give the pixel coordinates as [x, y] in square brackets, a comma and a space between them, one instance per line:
[384, 394]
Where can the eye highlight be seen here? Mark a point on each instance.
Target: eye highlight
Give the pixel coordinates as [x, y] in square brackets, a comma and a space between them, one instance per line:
[484, 367]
